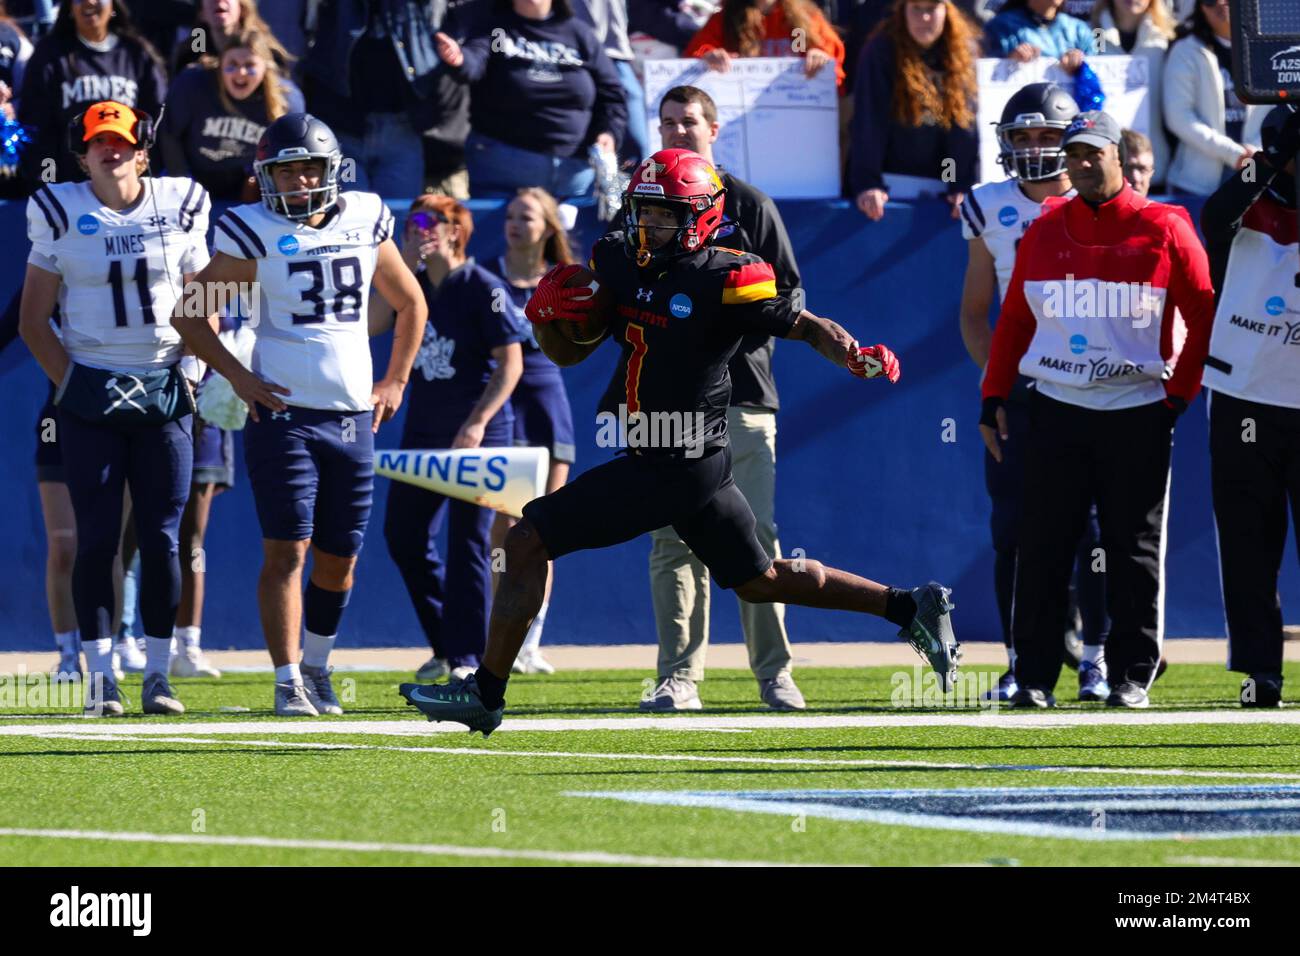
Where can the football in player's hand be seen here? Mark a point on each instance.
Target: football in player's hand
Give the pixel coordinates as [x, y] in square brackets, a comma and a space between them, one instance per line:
[596, 307]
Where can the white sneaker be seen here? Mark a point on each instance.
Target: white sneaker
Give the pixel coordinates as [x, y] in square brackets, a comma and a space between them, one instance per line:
[316, 681]
[190, 662]
[117, 666]
[460, 673]
[129, 656]
[531, 661]
[673, 694]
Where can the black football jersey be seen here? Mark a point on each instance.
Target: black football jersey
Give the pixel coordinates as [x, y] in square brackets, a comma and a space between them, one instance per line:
[678, 324]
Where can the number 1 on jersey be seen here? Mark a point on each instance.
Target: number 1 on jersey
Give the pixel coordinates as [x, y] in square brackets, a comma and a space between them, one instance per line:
[141, 290]
[635, 336]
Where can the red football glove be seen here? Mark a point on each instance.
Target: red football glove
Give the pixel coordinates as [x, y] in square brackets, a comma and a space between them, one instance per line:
[551, 300]
[873, 361]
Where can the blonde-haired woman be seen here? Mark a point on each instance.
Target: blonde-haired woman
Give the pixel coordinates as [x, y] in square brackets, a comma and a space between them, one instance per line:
[536, 241]
[217, 110]
[217, 24]
[1142, 28]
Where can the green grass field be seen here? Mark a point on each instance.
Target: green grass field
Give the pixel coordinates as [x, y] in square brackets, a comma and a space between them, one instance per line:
[379, 787]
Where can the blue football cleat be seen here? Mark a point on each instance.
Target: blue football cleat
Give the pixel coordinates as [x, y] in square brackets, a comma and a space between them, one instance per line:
[1092, 682]
[459, 701]
[1005, 690]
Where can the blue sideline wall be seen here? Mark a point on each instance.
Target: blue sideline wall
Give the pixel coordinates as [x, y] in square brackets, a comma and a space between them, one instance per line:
[866, 480]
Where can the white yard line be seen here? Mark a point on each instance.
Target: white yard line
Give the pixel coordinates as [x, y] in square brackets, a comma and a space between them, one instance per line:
[794, 762]
[992, 719]
[351, 846]
[1226, 861]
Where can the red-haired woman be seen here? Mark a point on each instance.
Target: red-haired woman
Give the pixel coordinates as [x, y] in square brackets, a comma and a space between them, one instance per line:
[913, 129]
[769, 28]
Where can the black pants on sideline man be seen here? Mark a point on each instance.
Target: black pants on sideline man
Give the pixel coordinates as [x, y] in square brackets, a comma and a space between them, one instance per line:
[1119, 459]
[1254, 470]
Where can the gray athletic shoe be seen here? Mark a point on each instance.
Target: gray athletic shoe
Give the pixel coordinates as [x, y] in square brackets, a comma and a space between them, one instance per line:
[673, 694]
[102, 697]
[432, 670]
[781, 692]
[930, 632]
[156, 696]
[291, 701]
[316, 681]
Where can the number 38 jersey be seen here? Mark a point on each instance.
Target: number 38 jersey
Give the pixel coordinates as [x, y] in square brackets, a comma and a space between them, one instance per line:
[123, 271]
[313, 288]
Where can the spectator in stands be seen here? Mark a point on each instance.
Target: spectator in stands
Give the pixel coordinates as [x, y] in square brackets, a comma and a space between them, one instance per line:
[535, 242]
[673, 22]
[1140, 28]
[466, 369]
[1215, 133]
[679, 580]
[542, 92]
[33, 17]
[914, 108]
[15, 51]
[217, 110]
[608, 18]
[371, 75]
[769, 28]
[217, 24]
[1027, 29]
[92, 54]
[1139, 161]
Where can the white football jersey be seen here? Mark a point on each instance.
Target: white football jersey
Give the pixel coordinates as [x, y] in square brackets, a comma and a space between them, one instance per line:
[122, 271]
[313, 289]
[999, 213]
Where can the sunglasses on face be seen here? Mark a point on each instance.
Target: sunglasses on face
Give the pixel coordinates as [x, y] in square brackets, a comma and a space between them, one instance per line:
[426, 220]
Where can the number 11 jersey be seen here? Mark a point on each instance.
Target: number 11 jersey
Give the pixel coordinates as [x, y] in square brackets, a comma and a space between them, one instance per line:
[313, 286]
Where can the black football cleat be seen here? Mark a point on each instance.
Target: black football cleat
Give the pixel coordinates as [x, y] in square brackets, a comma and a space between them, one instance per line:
[1262, 690]
[1032, 697]
[458, 701]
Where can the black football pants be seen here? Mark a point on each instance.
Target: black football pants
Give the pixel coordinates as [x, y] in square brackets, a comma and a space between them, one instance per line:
[1073, 457]
[1254, 472]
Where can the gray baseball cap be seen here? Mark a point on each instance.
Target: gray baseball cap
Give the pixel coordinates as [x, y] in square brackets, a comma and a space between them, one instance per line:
[1094, 128]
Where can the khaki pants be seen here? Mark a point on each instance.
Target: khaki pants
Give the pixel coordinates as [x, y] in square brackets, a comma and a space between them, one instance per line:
[679, 581]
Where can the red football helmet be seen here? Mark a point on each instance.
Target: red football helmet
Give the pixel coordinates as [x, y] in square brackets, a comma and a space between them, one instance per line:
[684, 182]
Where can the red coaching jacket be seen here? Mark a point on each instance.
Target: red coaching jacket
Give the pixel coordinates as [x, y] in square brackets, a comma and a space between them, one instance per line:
[1090, 309]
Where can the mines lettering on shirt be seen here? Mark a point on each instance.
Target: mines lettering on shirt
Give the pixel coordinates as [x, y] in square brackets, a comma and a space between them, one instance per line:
[542, 85]
[1090, 309]
[219, 144]
[470, 313]
[678, 325]
[313, 290]
[64, 76]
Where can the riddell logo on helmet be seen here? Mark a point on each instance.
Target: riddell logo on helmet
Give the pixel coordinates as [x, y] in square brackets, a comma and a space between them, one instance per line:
[652, 189]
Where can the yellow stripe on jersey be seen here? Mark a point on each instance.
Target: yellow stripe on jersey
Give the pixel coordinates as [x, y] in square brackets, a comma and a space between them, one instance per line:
[754, 292]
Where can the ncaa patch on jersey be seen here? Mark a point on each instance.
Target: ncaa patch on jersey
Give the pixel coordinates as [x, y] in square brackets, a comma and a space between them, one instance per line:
[1007, 215]
[680, 305]
[1078, 344]
[87, 225]
[287, 244]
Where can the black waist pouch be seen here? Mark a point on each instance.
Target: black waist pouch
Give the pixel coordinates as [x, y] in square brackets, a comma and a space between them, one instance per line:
[126, 398]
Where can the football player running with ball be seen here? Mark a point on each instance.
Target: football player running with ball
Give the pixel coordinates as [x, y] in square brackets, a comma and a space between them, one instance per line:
[679, 310]
[314, 403]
